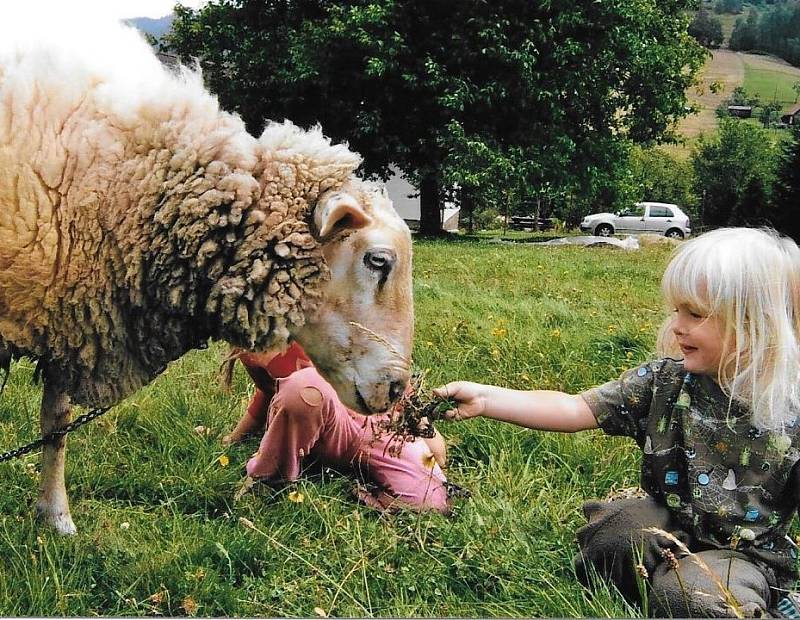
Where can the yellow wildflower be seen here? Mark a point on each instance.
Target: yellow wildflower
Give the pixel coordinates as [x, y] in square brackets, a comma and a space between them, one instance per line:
[296, 496]
[224, 461]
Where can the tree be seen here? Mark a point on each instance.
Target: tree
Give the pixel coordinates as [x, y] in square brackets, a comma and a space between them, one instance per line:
[247, 52]
[657, 176]
[786, 197]
[735, 171]
[707, 29]
[740, 96]
[770, 113]
[505, 180]
[775, 29]
[728, 6]
[562, 87]
[485, 174]
[778, 31]
[745, 32]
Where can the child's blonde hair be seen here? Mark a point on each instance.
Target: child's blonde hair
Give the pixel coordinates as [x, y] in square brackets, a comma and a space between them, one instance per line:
[749, 280]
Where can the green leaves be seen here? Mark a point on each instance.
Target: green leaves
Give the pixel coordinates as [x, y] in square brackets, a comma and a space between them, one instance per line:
[735, 171]
[556, 91]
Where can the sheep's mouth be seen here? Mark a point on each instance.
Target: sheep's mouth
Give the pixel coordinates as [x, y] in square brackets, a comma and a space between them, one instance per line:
[360, 399]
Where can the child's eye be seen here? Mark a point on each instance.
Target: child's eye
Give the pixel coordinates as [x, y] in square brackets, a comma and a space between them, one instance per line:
[695, 314]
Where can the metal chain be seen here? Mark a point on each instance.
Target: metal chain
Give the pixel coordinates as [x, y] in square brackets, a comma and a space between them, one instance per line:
[60, 432]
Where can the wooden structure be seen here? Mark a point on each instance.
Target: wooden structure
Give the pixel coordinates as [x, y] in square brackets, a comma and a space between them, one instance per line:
[792, 117]
[740, 111]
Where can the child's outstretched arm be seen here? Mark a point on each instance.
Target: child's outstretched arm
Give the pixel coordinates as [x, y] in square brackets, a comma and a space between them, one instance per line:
[539, 409]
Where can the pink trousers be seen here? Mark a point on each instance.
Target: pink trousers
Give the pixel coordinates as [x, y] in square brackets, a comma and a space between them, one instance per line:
[306, 418]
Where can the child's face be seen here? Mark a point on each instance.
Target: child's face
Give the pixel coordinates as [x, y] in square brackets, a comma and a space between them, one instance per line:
[700, 339]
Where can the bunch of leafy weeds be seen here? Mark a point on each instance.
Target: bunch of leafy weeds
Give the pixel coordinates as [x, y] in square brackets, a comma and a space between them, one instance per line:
[415, 413]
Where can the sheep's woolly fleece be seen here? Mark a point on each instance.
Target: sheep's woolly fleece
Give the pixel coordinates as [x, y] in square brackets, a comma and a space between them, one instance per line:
[137, 219]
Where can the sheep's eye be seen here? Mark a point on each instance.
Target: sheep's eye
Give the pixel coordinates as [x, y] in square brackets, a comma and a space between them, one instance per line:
[380, 259]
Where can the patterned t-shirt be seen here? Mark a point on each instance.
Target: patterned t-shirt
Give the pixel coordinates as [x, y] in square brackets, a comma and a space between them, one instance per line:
[729, 484]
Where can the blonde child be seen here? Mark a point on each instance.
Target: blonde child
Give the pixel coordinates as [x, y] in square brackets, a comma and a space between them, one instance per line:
[716, 418]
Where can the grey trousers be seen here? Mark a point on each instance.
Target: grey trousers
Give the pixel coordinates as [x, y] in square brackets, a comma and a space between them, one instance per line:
[614, 545]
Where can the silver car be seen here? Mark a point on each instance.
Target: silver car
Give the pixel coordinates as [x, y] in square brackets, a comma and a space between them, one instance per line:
[645, 217]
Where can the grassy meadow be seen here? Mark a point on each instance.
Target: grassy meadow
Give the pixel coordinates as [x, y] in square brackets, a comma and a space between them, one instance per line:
[153, 493]
[770, 86]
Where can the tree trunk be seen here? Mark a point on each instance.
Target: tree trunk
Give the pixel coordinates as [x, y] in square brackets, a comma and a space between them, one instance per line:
[468, 207]
[430, 206]
[507, 201]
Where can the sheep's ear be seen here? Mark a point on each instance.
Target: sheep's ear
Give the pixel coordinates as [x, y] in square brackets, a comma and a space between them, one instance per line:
[336, 211]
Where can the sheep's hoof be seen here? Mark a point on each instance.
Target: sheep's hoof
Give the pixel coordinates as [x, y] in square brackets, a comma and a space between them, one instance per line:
[61, 522]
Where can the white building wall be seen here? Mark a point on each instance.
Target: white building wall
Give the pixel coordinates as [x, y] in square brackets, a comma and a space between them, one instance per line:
[405, 198]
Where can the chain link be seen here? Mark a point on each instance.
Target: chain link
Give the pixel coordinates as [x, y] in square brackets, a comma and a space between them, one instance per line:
[60, 432]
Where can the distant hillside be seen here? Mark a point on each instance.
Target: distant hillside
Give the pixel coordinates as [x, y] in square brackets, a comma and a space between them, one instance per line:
[768, 77]
[156, 27]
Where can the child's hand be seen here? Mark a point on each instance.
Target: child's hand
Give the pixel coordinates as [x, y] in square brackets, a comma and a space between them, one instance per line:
[469, 397]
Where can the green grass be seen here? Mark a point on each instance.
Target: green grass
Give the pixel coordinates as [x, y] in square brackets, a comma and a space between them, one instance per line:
[770, 85]
[159, 531]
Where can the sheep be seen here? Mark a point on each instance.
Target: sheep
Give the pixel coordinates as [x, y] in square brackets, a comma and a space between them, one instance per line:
[138, 221]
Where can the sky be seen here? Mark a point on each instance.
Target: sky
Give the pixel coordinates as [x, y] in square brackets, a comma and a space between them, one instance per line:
[116, 8]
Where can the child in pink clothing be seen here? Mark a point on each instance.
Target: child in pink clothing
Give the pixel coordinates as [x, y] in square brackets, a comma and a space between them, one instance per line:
[304, 417]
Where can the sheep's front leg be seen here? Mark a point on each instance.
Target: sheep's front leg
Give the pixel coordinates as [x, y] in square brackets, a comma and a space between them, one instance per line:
[53, 505]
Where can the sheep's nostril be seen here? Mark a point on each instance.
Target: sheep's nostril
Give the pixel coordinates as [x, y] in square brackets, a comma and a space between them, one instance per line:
[396, 389]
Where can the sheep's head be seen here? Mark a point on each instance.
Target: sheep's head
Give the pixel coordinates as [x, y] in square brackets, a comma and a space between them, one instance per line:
[360, 333]
[324, 259]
